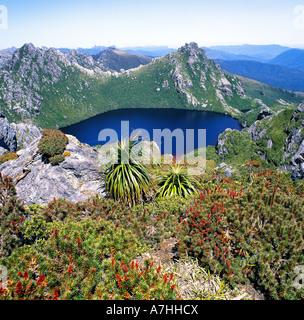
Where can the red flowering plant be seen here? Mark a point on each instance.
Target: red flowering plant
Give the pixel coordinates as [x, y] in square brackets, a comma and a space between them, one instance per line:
[249, 235]
[135, 283]
[12, 215]
[26, 286]
[209, 236]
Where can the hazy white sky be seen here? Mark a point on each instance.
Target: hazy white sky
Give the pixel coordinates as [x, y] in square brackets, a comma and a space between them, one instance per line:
[74, 23]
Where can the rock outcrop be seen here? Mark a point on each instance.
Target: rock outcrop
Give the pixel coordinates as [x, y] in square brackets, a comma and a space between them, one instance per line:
[265, 112]
[256, 131]
[7, 134]
[26, 133]
[220, 146]
[77, 178]
[228, 170]
[16, 136]
[294, 145]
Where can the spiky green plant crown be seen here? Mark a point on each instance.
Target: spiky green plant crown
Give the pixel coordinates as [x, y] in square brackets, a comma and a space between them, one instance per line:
[126, 178]
[176, 182]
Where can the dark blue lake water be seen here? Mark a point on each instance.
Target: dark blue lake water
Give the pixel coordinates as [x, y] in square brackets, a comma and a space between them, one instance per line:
[87, 131]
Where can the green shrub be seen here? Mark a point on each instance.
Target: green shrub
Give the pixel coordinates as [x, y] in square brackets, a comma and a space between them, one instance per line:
[128, 281]
[58, 158]
[149, 223]
[7, 157]
[52, 145]
[248, 231]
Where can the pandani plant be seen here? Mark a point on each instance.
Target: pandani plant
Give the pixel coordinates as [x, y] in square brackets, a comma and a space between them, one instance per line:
[126, 178]
[176, 182]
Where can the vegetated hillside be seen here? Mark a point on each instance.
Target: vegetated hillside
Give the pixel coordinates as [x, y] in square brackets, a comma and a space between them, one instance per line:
[271, 74]
[53, 89]
[116, 59]
[262, 53]
[293, 58]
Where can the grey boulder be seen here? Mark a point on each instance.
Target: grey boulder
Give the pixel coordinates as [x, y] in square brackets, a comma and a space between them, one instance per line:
[77, 178]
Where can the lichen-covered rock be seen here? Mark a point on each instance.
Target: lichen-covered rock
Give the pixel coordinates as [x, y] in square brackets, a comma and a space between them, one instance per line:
[16, 136]
[220, 146]
[297, 163]
[228, 170]
[77, 178]
[7, 133]
[26, 133]
[296, 115]
[225, 86]
[294, 145]
[256, 131]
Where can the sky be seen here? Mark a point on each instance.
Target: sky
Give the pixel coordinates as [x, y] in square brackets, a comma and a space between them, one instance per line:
[127, 23]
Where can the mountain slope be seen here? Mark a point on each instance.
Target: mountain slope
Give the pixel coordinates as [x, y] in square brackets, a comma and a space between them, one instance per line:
[271, 74]
[116, 59]
[53, 89]
[293, 58]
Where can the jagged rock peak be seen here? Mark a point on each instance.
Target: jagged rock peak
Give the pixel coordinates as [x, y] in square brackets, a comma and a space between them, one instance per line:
[28, 47]
[192, 47]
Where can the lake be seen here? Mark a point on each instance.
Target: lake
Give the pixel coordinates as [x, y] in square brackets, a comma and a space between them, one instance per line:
[87, 131]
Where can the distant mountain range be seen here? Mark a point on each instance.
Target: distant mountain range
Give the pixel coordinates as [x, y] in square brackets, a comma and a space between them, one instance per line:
[150, 51]
[92, 51]
[275, 65]
[153, 51]
[271, 74]
[293, 58]
[262, 53]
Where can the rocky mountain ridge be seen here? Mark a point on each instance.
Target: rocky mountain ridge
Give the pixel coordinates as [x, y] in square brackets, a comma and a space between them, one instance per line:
[55, 89]
[25, 74]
